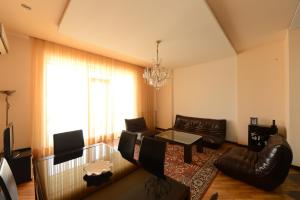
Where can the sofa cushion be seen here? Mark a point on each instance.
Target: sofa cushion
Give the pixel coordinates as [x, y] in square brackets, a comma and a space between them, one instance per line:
[212, 130]
[237, 159]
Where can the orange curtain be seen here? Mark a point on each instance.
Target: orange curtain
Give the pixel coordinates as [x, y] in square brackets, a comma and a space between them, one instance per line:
[73, 89]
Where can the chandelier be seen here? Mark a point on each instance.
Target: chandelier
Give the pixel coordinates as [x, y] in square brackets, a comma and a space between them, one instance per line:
[156, 75]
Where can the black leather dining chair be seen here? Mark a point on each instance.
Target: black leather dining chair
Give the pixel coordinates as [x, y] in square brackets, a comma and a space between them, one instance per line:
[68, 141]
[152, 156]
[127, 144]
[7, 182]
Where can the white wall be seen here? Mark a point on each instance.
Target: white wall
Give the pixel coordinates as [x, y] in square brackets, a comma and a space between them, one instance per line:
[261, 88]
[15, 74]
[294, 94]
[208, 90]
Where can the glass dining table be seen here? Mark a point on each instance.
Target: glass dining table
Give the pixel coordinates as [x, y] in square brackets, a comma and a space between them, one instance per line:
[64, 177]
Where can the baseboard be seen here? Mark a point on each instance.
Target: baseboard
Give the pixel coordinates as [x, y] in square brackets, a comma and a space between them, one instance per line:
[295, 167]
[162, 129]
[241, 145]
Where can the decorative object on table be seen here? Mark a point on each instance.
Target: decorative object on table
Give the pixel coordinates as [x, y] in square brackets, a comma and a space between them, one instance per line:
[98, 172]
[258, 135]
[98, 167]
[266, 169]
[96, 180]
[156, 75]
[253, 120]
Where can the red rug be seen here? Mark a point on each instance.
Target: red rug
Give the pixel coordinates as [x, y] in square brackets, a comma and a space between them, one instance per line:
[198, 175]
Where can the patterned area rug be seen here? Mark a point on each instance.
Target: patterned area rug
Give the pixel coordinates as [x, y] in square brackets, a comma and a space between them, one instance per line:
[198, 175]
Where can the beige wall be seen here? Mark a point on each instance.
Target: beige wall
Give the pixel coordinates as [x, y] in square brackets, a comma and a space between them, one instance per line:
[208, 90]
[286, 84]
[251, 84]
[165, 105]
[15, 75]
[260, 87]
[294, 94]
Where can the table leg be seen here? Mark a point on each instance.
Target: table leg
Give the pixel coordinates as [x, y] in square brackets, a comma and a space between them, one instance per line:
[200, 145]
[187, 153]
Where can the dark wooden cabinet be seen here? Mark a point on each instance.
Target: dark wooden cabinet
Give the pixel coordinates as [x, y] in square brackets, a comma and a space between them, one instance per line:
[258, 136]
[20, 164]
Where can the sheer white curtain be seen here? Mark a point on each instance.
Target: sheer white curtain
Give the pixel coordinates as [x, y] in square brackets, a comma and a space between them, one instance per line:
[85, 91]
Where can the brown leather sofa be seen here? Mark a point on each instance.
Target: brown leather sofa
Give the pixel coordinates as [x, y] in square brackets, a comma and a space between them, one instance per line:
[266, 169]
[213, 131]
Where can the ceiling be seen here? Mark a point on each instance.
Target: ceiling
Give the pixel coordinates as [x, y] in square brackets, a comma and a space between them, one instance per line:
[249, 23]
[189, 31]
[296, 19]
[127, 29]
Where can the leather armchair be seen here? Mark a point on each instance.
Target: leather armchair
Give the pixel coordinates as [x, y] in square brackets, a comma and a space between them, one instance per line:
[138, 125]
[266, 169]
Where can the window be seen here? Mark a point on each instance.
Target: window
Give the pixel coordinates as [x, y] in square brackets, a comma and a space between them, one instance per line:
[82, 97]
[73, 89]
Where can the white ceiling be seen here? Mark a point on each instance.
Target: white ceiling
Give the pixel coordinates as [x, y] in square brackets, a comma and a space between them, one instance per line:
[249, 23]
[296, 19]
[127, 29]
[189, 31]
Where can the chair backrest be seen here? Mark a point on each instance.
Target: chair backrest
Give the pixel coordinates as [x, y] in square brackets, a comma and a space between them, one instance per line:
[136, 125]
[7, 181]
[68, 141]
[126, 145]
[152, 156]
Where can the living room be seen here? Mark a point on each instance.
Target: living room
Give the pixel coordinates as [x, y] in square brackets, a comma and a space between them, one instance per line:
[242, 64]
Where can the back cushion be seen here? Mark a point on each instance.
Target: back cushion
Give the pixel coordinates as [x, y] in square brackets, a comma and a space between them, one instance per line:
[136, 125]
[193, 124]
[272, 155]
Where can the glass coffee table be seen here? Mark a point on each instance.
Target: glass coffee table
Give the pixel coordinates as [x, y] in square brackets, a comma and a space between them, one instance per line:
[185, 139]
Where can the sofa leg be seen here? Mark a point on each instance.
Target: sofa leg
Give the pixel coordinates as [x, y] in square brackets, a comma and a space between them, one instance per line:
[187, 153]
[200, 145]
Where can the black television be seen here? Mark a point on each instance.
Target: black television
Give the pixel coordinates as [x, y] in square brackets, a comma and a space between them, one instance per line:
[8, 141]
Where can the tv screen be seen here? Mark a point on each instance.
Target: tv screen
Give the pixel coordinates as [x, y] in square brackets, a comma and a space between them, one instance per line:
[8, 141]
